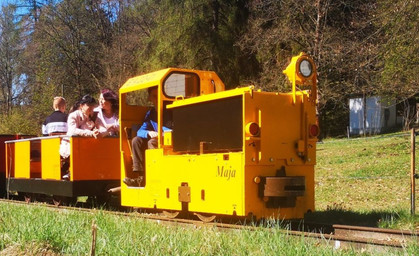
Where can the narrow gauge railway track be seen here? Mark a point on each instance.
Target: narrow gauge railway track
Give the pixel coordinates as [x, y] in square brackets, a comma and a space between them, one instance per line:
[342, 236]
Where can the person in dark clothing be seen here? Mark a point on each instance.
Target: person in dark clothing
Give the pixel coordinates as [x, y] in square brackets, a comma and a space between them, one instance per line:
[57, 121]
[146, 139]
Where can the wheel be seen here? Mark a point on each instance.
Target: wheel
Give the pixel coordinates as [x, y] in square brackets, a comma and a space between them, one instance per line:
[56, 201]
[170, 214]
[64, 200]
[205, 218]
[28, 198]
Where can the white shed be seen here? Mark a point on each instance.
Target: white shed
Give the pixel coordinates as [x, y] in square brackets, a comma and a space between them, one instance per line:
[371, 115]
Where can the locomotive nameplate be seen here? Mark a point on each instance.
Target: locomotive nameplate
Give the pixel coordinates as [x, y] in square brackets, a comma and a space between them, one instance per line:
[226, 173]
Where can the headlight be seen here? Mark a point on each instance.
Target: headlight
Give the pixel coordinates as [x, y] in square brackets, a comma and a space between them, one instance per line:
[305, 68]
[252, 129]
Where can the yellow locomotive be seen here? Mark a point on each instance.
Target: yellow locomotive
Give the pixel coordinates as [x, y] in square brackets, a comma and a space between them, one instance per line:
[240, 152]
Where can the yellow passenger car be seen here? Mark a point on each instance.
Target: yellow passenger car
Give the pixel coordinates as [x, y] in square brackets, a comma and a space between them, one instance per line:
[33, 167]
[239, 152]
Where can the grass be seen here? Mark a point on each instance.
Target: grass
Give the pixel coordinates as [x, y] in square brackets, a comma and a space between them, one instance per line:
[358, 181]
[365, 181]
[34, 230]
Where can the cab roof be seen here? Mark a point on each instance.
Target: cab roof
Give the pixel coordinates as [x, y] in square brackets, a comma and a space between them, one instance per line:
[153, 79]
[145, 81]
[209, 82]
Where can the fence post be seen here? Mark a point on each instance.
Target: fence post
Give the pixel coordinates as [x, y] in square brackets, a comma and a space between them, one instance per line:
[94, 230]
[412, 174]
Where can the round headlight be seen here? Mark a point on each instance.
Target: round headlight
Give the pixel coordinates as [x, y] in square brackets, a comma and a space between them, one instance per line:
[252, 129]
[305, 68]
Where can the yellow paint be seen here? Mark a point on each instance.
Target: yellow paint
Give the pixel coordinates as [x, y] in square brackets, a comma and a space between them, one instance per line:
[218, 178]
[167, 138]
[155, 78]
[209, 97]
[228, 183]
[143, 81]
[90, 159]
[51, 165]
[22, 159]
[296, 78]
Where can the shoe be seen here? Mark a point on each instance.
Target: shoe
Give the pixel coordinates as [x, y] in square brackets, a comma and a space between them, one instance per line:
[129, 182]
[140, 180]
[66, 176]
[133, 182]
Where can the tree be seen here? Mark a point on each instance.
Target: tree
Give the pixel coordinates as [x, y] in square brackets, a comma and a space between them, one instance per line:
[335, 33]
[130, 32]
[70, 38]
[75, 47]
[193, 34]
[399, 54]
[10, 52]
[64, 52]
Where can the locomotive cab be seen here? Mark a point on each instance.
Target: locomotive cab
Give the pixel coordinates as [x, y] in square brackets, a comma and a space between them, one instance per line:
[172, 84]
[239, 152]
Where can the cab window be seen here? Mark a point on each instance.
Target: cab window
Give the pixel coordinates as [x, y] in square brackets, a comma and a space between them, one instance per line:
[181, 84]
[138, 98]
